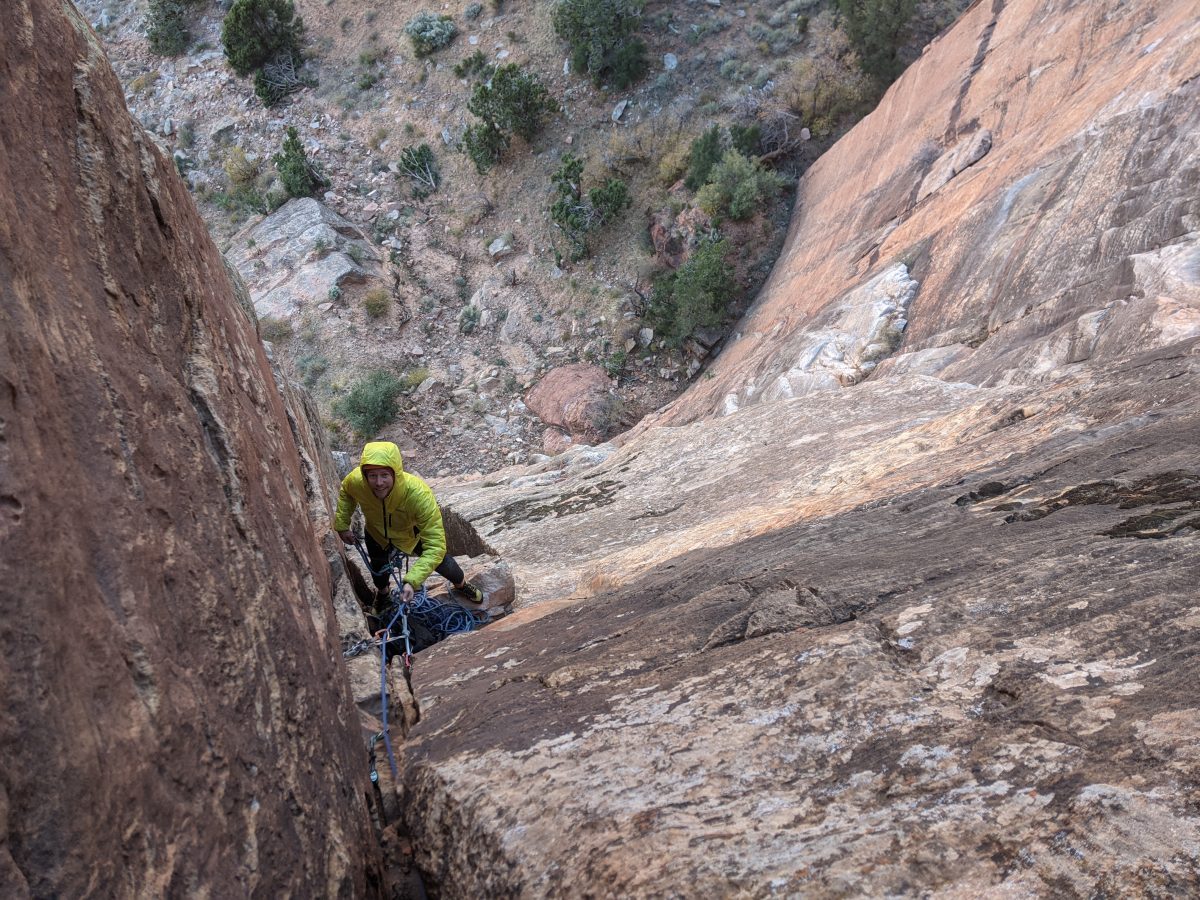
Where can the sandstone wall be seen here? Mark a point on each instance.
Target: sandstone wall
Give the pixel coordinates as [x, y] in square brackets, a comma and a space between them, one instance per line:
[176, 721]
[1031, 179]
[901, 601]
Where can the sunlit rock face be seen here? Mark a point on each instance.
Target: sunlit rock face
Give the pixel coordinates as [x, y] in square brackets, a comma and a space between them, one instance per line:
[901, 599]
[1035, 171]
[176, 720]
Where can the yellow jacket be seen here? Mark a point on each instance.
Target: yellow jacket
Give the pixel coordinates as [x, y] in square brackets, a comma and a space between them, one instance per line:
[409, 513]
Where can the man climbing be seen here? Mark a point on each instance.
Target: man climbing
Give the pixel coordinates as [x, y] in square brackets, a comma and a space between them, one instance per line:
[400, 511]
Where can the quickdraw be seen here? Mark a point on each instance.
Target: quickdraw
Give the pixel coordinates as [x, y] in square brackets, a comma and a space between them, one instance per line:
[356, 647]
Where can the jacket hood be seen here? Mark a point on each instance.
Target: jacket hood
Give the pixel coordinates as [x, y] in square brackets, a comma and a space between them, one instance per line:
[383, 453]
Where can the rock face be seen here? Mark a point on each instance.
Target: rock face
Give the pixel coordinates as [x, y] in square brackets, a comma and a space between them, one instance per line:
[1025, 184]
[577, 402]
[901, 600]
[176, 719]
[299, 257]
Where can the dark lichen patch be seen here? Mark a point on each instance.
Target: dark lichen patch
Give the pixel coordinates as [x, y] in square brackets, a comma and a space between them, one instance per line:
[1174, 487]
[1161, 523]
[1009, 419]
[591, 497]
[1098, 492]
[985, 491]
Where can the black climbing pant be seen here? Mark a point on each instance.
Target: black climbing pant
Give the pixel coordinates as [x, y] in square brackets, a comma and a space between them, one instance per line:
[447, 568]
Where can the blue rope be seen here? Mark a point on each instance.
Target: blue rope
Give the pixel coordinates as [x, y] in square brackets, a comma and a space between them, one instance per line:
[390, 568]
[446, 618]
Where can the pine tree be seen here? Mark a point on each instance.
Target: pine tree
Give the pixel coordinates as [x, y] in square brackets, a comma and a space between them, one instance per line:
[876, 30]
[299, 176]
[257, 31]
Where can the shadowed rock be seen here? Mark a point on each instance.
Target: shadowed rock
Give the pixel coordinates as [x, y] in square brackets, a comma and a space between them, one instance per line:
[176, 719]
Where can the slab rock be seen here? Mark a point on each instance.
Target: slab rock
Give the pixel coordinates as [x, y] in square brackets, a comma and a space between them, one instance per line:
[576, 398]
[296, 256]
[1037, 255]
[176, 718]
[926, 628]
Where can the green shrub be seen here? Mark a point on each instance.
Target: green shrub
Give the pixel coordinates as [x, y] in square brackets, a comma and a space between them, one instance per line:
[241, 201]
[167, 26]
[239, 168]
[745, 139]
[472, 66]
[473, 12]
[695, 296]
[371, 403]
[413, 377]
[737, 187]
[299, 176]
[377, 302]
[827, 89]
[704, 154]
[311, 367]
[615, 364]
[468, 319]
[429, 32]
[513, 101]
[142, 83]
[484, 143]
[599, 34]
[629, 63]
[610, 199]
[577, 216]
[257, 31]
[187, 134]
[876, 29]
[419, 165]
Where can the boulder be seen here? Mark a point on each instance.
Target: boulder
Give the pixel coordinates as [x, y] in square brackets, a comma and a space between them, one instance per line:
[577, 399]
[501, 246]
[297, 255]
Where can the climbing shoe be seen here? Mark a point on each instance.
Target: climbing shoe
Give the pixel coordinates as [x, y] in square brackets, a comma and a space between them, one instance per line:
[470, 592]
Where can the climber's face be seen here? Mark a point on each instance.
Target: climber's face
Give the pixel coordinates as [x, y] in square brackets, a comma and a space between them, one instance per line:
[381, 479]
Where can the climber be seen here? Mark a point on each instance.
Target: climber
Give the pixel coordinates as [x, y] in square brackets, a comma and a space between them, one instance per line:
[401, 512]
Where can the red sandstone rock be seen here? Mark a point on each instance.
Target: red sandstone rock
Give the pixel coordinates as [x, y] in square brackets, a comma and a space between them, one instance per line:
[176, 720]
[901, 600]
[576, 398]
[555, 441]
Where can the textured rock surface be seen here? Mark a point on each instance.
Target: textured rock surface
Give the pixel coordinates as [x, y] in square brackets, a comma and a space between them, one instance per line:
[1029, 258]
[932, 633]
[176, 720]
[578, 400]
[283, 263]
